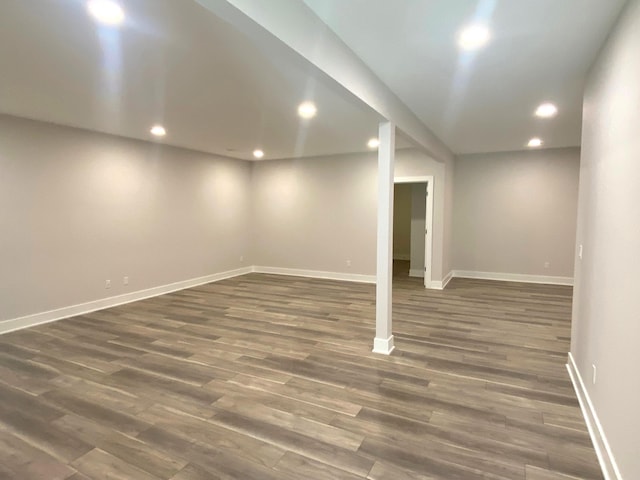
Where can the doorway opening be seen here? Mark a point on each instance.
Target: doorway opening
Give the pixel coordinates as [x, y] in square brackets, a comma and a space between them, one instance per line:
[413, 228]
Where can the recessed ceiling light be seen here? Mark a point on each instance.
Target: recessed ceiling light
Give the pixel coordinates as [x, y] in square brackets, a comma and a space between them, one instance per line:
[258, 153]
[106, 11]
[307, 110]
[373, 143]
[473, 37]
[158, 131]
[546, 110]
[534, 142]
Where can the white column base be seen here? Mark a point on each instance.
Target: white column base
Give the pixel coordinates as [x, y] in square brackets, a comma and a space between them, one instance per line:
[383, 346]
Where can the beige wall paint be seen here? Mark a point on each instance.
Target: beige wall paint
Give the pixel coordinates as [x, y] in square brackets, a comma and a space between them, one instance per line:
[606, 313]
[402, 222]
[514, 211]
[77, 208]
[317, 213]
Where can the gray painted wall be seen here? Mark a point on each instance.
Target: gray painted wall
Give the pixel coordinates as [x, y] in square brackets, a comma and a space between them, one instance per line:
[317, 213]
[514, 211]
[77, 208]
[606, 314]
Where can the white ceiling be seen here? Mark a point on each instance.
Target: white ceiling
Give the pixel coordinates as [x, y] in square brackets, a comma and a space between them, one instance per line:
[483, 101]
[173, 63]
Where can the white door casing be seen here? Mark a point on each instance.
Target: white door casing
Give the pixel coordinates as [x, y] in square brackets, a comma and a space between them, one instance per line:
[428, 243]
[428, 235]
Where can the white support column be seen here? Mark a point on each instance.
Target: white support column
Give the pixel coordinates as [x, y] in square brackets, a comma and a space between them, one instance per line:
[383, 343]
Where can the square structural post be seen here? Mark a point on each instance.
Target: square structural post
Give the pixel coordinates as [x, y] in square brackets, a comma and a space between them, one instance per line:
[383, 343]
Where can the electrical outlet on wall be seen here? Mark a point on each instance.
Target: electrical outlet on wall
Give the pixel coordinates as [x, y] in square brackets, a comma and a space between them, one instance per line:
[546, 264]
[242, 258]
[125, 281]
[107, 284]
[348, 263]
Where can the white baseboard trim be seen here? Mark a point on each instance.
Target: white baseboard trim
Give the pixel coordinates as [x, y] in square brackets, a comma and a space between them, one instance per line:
[447, 279]
[11, 325]
[603, 450]
[416, 272]
[383, 346]
[401, 256]
[295, 272]
[514, 277]
[441, 285]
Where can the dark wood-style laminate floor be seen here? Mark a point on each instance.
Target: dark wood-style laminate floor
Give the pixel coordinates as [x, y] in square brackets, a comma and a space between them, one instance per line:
[271, 377]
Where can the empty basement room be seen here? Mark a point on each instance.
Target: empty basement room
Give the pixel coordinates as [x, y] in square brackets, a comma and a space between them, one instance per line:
[199, 273]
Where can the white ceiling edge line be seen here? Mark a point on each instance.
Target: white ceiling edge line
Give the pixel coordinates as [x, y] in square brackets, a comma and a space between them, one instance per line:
[306, 34]
[149, 141]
